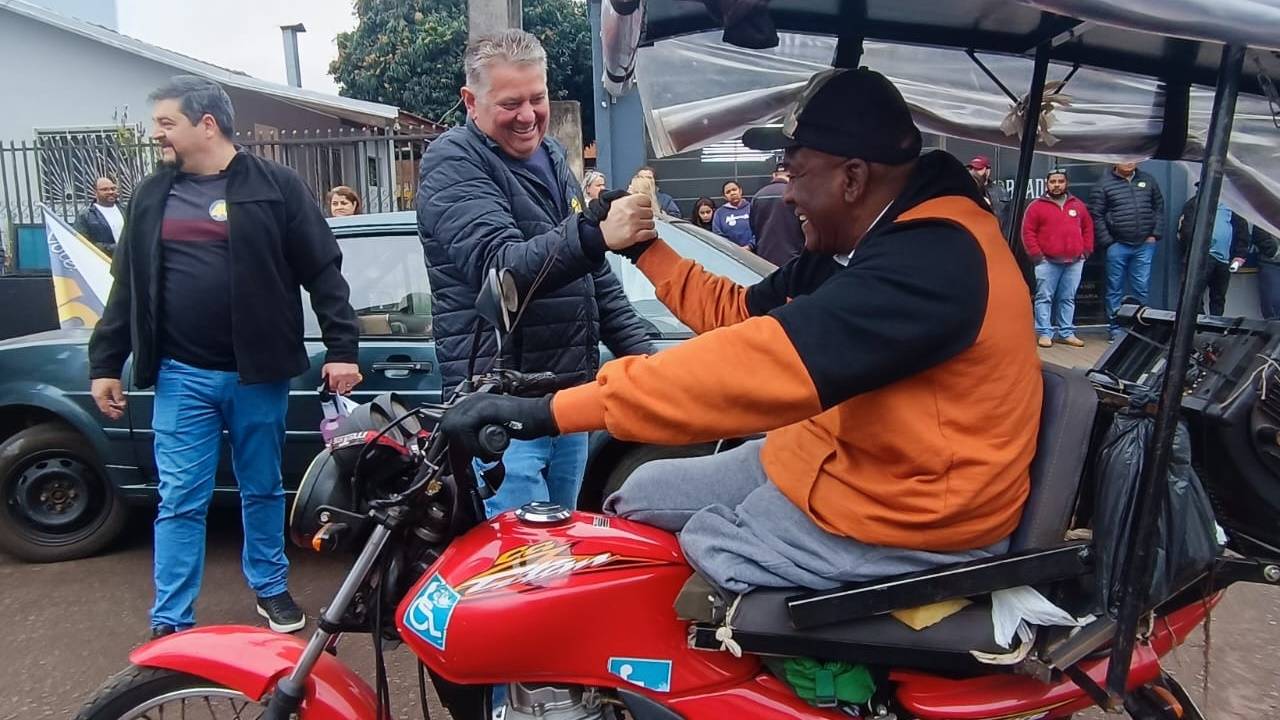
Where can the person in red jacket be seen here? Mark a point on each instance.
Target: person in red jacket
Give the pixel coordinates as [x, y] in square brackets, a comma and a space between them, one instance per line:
[1058, 234]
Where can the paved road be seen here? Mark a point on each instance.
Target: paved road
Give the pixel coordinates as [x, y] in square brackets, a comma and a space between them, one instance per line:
[71, 625]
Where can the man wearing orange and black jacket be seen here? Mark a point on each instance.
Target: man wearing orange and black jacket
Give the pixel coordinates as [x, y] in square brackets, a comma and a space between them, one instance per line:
[890, 365]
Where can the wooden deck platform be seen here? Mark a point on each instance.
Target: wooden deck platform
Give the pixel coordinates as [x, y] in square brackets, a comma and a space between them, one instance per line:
[1094, 345]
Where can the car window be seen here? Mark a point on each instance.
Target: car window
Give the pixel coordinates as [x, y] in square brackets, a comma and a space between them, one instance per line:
[389, 288]
[713, 253]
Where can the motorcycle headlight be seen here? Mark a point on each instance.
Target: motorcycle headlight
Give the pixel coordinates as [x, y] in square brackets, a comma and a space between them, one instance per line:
[324, 484]
[370, 459]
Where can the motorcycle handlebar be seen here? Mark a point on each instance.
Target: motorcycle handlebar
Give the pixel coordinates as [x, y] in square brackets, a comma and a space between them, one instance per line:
[493, 439]
[534, 384]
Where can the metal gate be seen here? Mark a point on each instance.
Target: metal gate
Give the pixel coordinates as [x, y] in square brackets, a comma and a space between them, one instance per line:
[58, 169]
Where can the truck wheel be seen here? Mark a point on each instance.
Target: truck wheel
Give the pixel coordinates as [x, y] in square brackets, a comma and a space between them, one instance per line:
[57, 503]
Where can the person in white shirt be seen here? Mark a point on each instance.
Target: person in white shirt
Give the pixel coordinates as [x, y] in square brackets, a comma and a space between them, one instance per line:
[103, 221]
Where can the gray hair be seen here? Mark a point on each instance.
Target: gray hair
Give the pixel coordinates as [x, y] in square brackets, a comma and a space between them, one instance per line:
[590, 177]
[198, 97]
[509, 46]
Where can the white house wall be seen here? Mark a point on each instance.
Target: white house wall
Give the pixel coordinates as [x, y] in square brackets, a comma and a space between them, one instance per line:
[60, 80]
[57, 79]
[100, 12]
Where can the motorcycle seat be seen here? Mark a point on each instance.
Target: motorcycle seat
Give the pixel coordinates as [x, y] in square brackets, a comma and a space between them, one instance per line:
[762, 622]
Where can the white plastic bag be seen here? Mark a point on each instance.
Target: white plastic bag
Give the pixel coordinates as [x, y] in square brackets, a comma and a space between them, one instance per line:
[1014, 610]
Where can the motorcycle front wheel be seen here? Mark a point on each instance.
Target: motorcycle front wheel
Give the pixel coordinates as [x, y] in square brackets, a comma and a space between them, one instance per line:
[139, 692]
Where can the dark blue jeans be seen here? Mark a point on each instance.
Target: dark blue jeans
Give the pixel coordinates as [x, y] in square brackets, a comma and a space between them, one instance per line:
[192, 408]
[1269, 290]
[1128, 274]
[548, 468]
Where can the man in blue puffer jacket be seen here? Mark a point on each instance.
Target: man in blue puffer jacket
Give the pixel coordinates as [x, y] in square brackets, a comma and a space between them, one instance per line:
[497, 193]
[1128, 220]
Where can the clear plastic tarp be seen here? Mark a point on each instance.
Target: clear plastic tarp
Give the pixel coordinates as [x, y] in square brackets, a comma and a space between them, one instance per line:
[697, 90]
[1255, 23]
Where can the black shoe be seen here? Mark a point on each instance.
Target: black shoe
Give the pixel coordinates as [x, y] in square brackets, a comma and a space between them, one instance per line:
[159, 631]
[282, 613]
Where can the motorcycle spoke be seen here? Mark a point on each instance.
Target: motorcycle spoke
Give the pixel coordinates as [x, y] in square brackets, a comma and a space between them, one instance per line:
[199, 703]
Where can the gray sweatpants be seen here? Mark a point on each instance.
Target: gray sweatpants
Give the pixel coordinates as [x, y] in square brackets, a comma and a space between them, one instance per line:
[740, 531]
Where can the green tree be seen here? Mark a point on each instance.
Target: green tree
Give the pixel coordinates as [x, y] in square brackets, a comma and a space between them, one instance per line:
[408, 53]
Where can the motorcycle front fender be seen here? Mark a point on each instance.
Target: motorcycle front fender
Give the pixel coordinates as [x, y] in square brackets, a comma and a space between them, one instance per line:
[251, 660]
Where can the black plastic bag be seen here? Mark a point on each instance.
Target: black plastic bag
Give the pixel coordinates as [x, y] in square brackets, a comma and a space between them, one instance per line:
[746, 23]
[1186, 534]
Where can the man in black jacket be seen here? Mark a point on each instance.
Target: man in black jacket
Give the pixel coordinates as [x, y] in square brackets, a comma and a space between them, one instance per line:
[206, 296]
[497, 193]
[779, 236]
[1267, 246]
[1128, 219]
[103, 221]
[993, 192]
[1228, 248]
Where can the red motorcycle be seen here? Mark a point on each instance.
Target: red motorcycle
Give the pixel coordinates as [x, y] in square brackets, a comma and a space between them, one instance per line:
[573, 611]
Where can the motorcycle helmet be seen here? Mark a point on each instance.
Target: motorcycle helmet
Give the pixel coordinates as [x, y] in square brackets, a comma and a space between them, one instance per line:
[373, 451]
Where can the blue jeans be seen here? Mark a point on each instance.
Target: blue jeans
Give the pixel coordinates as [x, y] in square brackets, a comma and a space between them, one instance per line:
[1128, 273]
[192, 408]
[1055, 302]
[548, 468]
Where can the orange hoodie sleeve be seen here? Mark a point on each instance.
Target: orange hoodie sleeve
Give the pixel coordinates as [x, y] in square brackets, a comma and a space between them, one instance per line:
[700, 299]
[693, 392]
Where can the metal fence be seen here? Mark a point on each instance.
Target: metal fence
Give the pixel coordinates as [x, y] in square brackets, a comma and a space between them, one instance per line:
[58, 169]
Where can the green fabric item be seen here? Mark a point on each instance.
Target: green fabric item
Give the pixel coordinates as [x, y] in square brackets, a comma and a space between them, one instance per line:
[826, 684]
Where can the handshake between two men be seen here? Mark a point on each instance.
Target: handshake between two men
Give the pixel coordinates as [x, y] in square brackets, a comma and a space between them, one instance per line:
[624, 219]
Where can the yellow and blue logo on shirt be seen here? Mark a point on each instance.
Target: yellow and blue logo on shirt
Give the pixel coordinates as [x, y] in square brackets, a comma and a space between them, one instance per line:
[218, 210]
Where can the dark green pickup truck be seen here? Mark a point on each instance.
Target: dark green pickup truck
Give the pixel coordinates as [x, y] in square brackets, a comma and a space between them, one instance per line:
[68, 476]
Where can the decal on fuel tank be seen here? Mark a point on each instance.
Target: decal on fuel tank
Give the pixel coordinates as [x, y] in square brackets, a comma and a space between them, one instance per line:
[429, 613]
[649, 674]
[530, 566]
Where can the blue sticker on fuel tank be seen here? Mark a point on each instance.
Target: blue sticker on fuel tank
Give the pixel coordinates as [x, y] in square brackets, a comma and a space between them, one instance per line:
[428, 615]
[649, 674]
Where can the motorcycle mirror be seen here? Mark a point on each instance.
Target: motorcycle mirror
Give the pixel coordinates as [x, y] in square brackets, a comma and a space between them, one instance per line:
[499, 299]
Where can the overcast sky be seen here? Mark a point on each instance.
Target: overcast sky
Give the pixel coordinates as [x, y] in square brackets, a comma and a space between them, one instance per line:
[244, 34]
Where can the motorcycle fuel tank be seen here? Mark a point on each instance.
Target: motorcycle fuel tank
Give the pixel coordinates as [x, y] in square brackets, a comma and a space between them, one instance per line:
[585, 600]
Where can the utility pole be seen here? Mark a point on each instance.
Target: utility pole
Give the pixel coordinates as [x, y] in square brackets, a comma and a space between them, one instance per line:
[292, 65]
[485, 17]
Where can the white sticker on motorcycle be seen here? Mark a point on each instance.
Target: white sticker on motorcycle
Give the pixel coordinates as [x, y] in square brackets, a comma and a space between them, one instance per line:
[429, 613]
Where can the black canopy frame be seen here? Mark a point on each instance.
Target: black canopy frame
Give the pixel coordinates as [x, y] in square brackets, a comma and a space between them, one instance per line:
[1177, 59]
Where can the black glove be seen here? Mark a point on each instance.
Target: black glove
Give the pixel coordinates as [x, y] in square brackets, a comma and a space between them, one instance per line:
[523, 419]
[598, 209]
[592, 239]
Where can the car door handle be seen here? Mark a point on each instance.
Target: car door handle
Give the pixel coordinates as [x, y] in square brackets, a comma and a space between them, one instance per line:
[411, 366]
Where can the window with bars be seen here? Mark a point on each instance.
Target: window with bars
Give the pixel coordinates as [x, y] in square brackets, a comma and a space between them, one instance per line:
[71, 159]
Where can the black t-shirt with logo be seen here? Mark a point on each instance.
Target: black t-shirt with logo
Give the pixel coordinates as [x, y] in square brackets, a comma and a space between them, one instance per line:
[195, 299]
